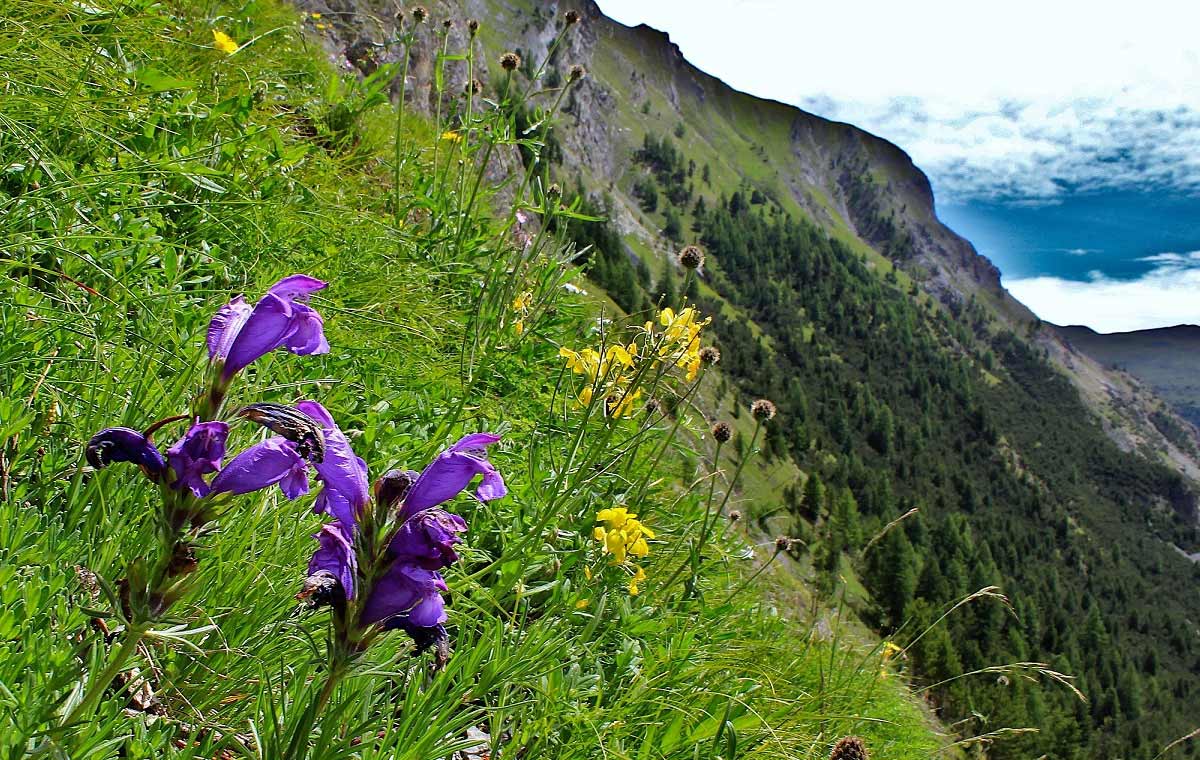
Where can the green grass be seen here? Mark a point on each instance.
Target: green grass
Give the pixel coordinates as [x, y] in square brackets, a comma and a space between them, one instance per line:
[145, 178]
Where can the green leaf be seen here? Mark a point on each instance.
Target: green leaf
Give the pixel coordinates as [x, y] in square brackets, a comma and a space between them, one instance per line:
[160, 81]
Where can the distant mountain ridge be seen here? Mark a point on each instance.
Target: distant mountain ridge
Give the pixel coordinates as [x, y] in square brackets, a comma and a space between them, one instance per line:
[1167, 359]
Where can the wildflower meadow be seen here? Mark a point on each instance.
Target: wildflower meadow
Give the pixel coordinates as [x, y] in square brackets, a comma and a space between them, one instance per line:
[312, 445]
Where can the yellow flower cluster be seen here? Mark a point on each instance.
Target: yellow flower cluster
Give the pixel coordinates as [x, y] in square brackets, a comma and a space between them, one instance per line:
[623, 536]
[521, 306]
[223, 42]
[681, 338]
[609, 369]
[451, 136]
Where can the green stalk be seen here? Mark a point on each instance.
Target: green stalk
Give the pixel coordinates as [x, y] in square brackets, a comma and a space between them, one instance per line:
[399, 128]
[95, 690]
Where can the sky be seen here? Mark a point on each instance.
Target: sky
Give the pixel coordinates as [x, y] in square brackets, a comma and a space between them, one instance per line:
[1062, 137]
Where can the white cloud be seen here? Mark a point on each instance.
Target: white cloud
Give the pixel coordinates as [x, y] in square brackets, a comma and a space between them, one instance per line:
[1169, 294]
[1021, 101]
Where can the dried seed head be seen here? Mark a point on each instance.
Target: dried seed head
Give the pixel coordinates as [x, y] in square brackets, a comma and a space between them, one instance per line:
[710, 355]
[783, 543]
[474, 87]
[722, 432]
[292, 424]
[653, 407]
[419, 14]
[575, 73]
[735, 515]
[849, 748]
[691, 257]
[320, 589]
[510, 61]
[447, 24]
[554, 192]
[762, 410]
[473, 26]
[572, 17]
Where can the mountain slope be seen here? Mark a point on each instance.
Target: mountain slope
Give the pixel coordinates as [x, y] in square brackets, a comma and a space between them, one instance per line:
[907, 379]
[1166, 359]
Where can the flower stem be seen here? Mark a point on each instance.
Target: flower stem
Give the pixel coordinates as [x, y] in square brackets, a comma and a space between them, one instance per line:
[95, 690]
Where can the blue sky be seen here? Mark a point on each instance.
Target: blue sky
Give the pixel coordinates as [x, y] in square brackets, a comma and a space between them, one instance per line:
[1061, 137]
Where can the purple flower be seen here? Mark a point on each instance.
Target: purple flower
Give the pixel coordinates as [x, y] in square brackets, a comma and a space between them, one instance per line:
[199, 452]
[239, 333]
[275, 460]
[407, 595]
[452, 471]
[122, 444]
[335, 556]
[343, 475]
[428, 538]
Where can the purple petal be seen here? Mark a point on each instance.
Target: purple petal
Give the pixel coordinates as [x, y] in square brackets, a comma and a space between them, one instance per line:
[452, 471]
[410, 593]
[225, 326]
[267, 328]
[428, 538]
[335, 555]
[297, 287]
[317, 412]
[122, 444]
[340, 470]
[337, 506]
[262, 465]
[198, 453]
[309, 335]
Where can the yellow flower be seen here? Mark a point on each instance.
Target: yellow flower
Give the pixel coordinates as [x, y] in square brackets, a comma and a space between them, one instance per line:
[638, 577]
[319, 27]
[623, 535]
[890, 650]
[523, 301]
[519, 326]
[582, 603]
[223, 42]
[585, 395]
[451, 136]
[587, 571]
[315, 15]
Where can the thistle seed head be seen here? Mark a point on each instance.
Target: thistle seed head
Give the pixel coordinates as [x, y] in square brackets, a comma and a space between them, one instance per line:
[710, 355]
[473, 26]
[510, 61]
[849, 748]
[722, 432]
[572, 17]
[554, 192]
[653, 407]
[474, 87]
[762, 410]
[735, 515]
[783, 543]
[575, 73]
[691, 257]
[419, 14]
[447, 24]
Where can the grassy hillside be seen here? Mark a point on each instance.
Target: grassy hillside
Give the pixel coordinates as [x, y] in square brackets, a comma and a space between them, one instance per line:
[907, 380]
[149, 171]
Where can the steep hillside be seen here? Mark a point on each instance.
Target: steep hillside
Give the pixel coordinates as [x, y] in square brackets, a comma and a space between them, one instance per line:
[1167, 360]
[935, 440]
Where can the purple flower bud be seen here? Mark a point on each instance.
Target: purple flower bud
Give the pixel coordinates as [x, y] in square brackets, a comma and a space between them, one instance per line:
[394, 486]
[122, 444]
[198, 453]
[453, 470]
[335, 556]
[239, 334]
[275, 460]
[427, 539]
